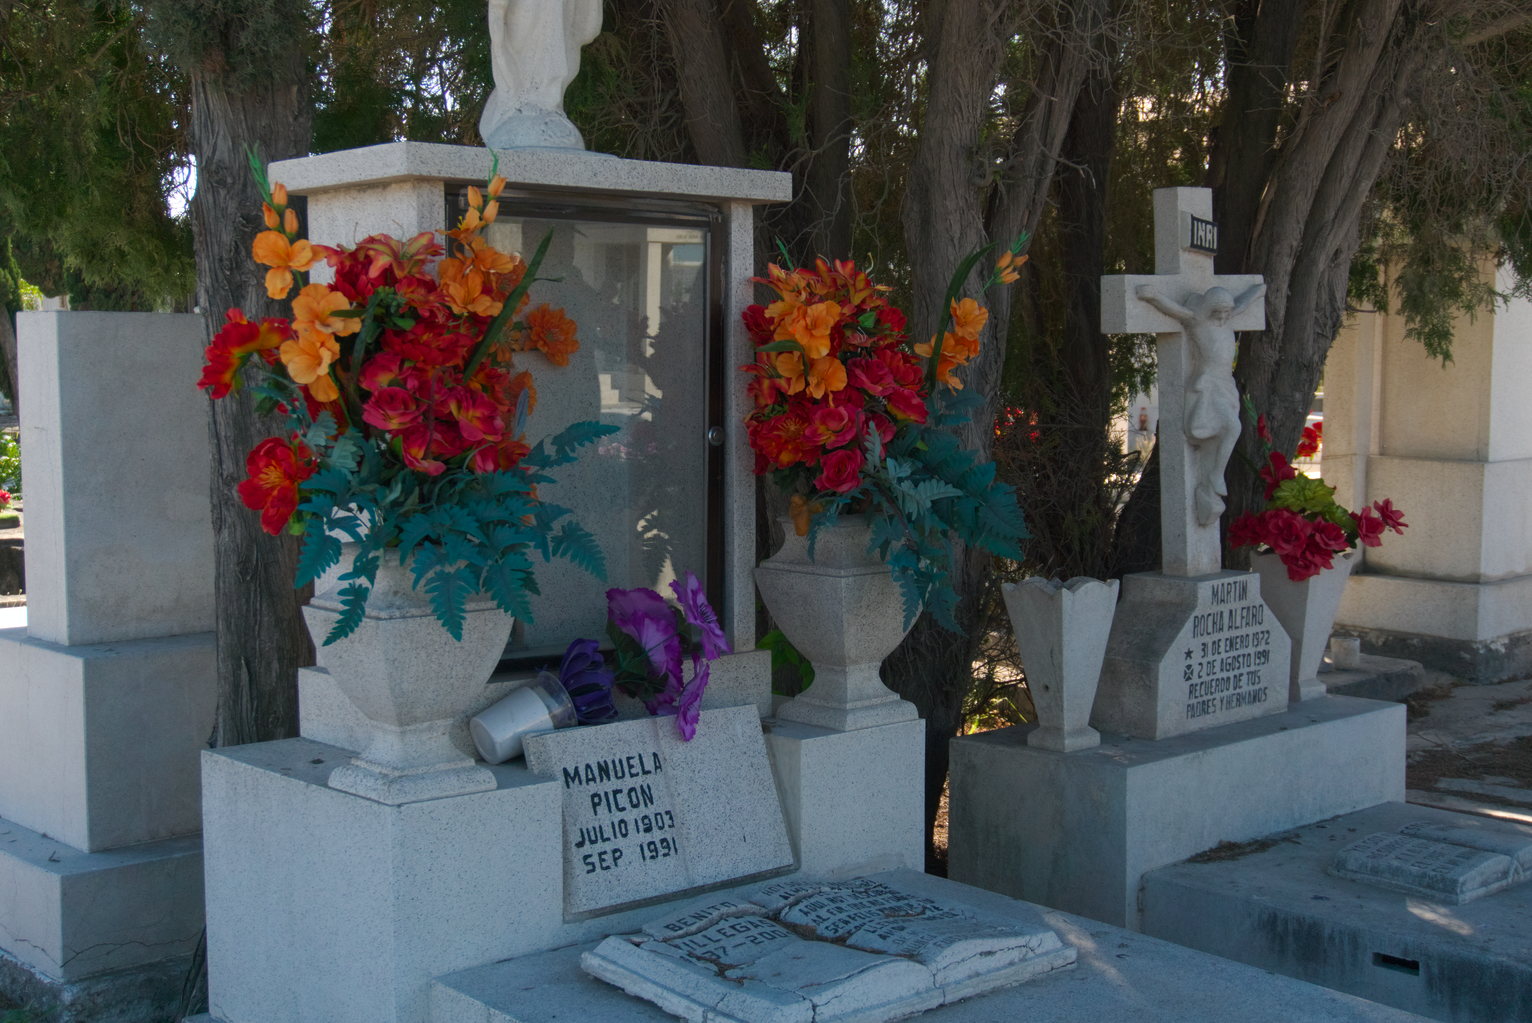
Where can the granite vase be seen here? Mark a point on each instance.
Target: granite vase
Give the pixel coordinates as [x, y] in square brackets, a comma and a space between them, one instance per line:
[411, 681]
[843, 611]
[1061, 632]
[1307, 612]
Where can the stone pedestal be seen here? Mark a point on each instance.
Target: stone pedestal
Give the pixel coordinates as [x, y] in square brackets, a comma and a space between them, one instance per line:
[108, 690]
[1451, 446]
[1077, 831]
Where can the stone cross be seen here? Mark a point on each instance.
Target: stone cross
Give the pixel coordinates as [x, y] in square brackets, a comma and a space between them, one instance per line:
[1195, 313]
[534, 54]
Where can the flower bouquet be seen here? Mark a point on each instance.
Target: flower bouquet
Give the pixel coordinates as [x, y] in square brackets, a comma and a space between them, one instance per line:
[8, 518]
[851, 417]
[1302, 523]
[405, 412]
[650, 638]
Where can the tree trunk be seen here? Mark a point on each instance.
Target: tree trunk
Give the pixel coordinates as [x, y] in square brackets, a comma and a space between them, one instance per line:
[1309, 225]
[8, 363]
[827, 181]
[261, 641]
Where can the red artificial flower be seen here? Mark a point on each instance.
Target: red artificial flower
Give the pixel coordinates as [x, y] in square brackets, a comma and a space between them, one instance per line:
[275, 468]
[833, 426]
[1313, 436]
[1275, 471]
[392, 409]
[1392, 517]
[232, 345]
[1262, 430]
[871, 375]
[476, 417]
[1369, 527]
[840, 471]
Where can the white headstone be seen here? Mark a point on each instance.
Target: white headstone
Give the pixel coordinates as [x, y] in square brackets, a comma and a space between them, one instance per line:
[647, 814]
[1195, 313]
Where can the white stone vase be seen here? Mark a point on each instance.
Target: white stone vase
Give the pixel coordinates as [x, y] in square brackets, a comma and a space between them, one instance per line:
[842, 610]
[412, 682]
[1062, 631]
[1307, 612]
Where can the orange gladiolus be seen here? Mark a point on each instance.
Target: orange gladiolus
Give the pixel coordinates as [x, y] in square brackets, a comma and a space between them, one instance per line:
[826, 375]
[308, 358]
[271, 248]
[968, 318]
[314, 309]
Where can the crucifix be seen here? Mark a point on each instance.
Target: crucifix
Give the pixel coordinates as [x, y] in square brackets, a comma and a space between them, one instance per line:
[1194, 313]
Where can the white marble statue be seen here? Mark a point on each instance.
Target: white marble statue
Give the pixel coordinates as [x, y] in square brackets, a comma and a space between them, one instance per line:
[535, 54]
[1212, 407]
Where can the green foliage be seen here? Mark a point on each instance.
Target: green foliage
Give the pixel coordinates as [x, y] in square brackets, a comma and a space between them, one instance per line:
[920, 492]
[791, 672]
[462, 533]
[91, 145]
[10, 464]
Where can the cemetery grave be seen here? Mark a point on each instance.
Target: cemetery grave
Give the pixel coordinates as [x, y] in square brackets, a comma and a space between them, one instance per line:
[765, 869]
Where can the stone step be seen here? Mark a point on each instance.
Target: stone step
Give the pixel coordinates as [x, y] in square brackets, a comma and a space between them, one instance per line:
[1119, 975]
[1375, 678]
[1273, 904]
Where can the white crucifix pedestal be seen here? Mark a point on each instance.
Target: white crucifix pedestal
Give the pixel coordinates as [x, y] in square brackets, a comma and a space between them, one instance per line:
[1192, 646]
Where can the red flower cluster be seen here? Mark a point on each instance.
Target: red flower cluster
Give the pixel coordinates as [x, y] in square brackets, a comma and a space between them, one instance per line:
[1313, 436]
[395, 348]
[1303, 525]
[832, 362]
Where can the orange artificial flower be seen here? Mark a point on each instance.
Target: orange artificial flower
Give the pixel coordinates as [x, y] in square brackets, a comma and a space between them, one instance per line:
[308, 358]
[468, 290]
[968, 318]
[810, 326]
[273, 249]
[802, 510]
[314, 309]
[552, 333]
[826, 375]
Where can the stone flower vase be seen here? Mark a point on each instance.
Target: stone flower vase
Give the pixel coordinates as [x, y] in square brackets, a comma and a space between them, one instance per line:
[1307, 612]
[412, 682]
[842, 610]
[1061, 631]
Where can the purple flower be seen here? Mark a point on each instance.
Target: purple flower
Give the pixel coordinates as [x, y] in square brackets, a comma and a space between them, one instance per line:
[643, 615]
[689, 707]
[700, 613]
[588, 681]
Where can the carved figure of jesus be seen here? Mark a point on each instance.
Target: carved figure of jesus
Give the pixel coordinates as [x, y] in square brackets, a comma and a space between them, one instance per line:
[535, 54]
[1212, 424]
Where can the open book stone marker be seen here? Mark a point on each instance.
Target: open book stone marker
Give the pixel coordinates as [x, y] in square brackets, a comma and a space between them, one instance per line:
[812, 951]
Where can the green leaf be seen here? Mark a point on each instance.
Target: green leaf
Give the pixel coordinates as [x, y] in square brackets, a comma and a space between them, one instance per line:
[449, 590]
[318, 553]
[574, 542]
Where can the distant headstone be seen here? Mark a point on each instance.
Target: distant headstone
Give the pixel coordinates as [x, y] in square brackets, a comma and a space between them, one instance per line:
[647, 814]
[1192, 646]
[1448, 864]
[863, 949]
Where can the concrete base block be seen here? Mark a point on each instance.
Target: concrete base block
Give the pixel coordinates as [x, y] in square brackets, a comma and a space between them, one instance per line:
[1484, 662]
[68, 916]
[1273, 906]
[853, 800]
[99, 743]
[1118, 976]
[1077, 831]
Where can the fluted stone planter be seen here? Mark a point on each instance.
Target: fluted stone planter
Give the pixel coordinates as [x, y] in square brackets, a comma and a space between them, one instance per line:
[1061, 631]
[842, 610]
[412, 681]
[1307, 612]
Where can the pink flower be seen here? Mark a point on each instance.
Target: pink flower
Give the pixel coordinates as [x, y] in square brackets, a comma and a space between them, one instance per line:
[1392, 517]
[1369, 527]
[832, 426]
[840, 471]
[391, 409]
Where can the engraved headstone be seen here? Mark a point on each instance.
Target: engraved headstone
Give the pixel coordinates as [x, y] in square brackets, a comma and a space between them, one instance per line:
[647, 814]
[1192, 646]
[1437, 867]
[862, 949]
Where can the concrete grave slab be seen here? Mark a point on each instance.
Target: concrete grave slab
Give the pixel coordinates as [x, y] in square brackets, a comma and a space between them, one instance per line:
[1118, 975]
[1273, 904]
[1441, 870]
[648, 814]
